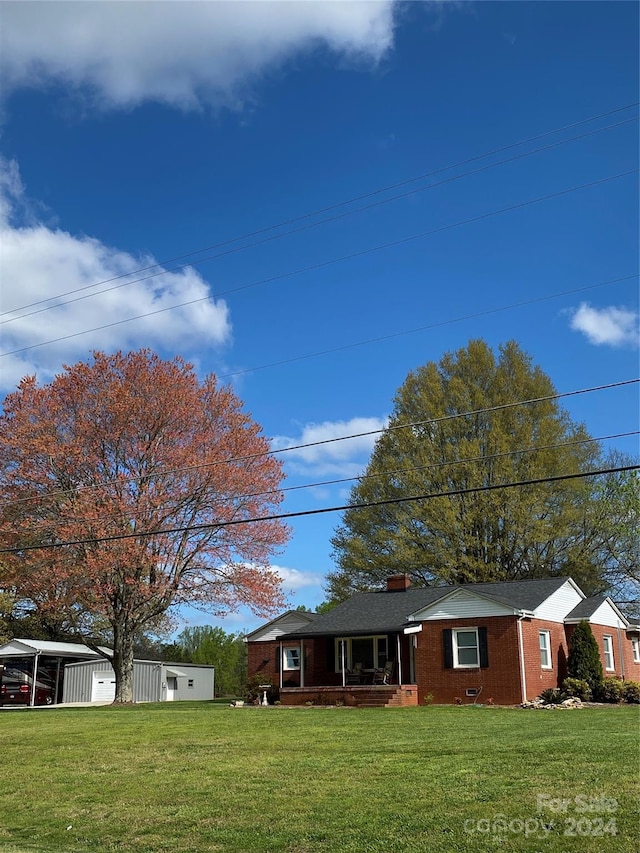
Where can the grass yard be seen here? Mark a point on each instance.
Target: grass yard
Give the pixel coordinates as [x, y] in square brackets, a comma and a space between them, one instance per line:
[192, 777]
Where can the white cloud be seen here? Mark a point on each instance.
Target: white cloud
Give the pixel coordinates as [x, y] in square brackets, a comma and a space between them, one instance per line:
[336, 458]
[613, 326]
[180, 53]
[39, 262]
[243, 620]
[294, 579]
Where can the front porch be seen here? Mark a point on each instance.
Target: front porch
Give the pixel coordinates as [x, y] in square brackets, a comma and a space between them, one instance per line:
[352, 695]
[361, 669]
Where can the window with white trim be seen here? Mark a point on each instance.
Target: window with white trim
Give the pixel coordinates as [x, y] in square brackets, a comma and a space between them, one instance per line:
[608, 652]
[635, 647]
[291, 657]
[545, 649]
[466, 649]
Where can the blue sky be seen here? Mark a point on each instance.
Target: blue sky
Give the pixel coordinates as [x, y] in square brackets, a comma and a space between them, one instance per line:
[134, 133]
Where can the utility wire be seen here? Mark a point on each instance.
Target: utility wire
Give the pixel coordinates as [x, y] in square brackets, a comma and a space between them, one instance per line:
[440, 323]
[433, 465]
[324, 264]
[367, 433]
[316, 224]
[321, 511]
[346, 202]
[378, 474]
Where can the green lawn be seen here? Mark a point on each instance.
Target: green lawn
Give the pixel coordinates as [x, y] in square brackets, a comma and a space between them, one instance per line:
[189, 777]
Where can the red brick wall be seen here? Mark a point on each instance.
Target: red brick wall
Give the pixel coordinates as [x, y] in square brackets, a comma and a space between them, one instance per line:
[500, 681]
[631, 667]
[623, 663]
[537, 678]
[262, 659]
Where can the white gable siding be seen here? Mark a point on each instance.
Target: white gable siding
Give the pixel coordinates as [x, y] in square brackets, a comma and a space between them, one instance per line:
[462, 605]
[283, 625]
[559, 604]
[606, 615]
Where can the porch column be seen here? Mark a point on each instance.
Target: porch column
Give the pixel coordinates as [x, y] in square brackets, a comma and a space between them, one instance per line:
[343, 661]
[32, 700]
[301, 663]
[399, 644]
[57, 687]
[280, 666]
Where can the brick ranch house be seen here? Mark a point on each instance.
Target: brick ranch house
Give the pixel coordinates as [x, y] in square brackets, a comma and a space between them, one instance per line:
[504, 642]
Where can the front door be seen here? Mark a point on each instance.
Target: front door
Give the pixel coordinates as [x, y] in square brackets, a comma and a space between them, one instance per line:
[172, 686]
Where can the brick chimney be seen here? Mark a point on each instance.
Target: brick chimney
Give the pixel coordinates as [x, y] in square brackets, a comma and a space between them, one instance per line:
[398, 583]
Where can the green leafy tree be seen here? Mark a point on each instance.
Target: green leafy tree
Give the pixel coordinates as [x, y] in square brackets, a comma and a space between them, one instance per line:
[211, 645]
[584, 656]
[524, 532]
[619, 523]
[326, 606]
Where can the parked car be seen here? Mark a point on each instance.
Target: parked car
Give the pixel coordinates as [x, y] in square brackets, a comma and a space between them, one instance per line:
[16, 690]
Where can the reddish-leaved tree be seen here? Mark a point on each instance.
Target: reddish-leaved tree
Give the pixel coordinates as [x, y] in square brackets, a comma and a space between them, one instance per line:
[143, 466]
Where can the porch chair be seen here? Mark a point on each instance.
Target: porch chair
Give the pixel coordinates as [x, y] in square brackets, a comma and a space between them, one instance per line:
[354, 676]
[383, 676]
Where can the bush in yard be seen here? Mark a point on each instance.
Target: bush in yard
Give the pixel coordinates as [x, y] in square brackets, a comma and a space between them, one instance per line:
[610, 690]
[550, 696]
[631, 692]
[577, 687]
[584, 656]
[254, 695]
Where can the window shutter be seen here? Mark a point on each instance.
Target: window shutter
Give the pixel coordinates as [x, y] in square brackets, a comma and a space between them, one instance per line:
[447, 644]
[483, 649]
[331, 655]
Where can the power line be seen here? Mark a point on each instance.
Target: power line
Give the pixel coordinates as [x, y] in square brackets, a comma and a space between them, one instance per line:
[380, 474]
[323, 264]
[313, 225]
[484, 458]
[321, 511]
[352, 200]
[305, 446]
[439, 324]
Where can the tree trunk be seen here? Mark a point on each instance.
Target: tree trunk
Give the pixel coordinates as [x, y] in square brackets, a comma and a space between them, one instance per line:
[123, 663]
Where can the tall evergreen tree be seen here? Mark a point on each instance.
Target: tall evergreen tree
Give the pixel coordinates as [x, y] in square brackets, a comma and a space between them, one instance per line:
[465, 434]
[584, 656]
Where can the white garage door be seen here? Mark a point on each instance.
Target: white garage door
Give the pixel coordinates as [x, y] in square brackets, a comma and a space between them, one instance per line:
[104, 687]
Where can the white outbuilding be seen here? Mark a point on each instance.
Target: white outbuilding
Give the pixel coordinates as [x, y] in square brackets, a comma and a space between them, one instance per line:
[153, 681]
[41, 672]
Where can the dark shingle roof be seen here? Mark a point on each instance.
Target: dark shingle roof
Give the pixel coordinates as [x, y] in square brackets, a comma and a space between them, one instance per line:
[521, 595]
[586, 608]
[384, 612]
